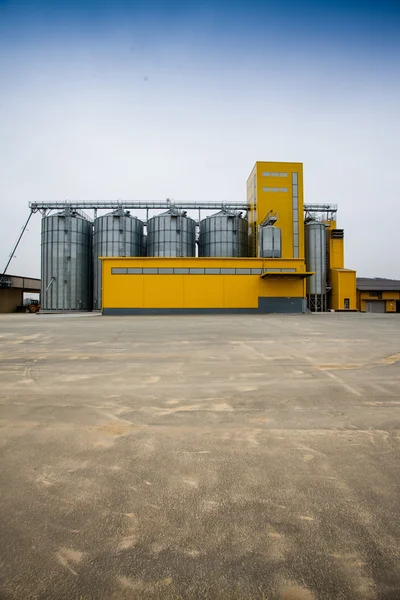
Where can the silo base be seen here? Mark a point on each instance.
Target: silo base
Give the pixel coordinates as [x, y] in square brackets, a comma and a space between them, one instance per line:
[317, 302]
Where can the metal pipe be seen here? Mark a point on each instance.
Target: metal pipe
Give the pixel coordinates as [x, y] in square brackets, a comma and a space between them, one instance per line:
[52, 280]
[159, 204]
[136, 204]
[18, 241]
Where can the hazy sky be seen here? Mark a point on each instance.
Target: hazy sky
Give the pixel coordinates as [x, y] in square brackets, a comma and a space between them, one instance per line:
[147, 100]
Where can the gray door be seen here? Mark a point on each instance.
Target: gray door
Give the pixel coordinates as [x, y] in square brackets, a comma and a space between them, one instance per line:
[376, 306]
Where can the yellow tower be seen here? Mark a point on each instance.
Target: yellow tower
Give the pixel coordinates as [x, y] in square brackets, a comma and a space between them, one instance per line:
[277, 188]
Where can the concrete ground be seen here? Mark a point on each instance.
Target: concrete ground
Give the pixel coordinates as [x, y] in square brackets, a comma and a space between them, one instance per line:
[223, 457]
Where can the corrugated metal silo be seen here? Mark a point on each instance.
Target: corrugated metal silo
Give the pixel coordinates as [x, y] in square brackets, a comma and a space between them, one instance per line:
[66, 262]
[115, 234]
[171, 234]
[224, 234]
[270, 242]
[315, 251]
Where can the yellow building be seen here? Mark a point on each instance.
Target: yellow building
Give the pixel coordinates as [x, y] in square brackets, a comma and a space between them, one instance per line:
[270, 279]
[341, 281]
[377, 295]
[202, 285]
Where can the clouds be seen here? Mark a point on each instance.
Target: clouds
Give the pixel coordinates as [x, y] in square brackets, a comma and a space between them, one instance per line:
[103, 101]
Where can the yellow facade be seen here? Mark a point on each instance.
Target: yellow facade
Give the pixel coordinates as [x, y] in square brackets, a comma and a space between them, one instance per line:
[281, 289]
[271, 187]
[336, 252]
[343, 294]
[390, 299]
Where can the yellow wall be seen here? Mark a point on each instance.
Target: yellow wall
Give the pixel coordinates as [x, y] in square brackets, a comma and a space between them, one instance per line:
[261, 202]
[343, 286]
[196, 291]
[389, 298]
[336, 253]
[390, 306]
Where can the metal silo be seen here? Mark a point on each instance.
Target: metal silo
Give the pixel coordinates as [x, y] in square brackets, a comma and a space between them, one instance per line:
[66, 261]
[115, 234]
[269, 240]
[171, 234]
[315, 249]
[224, 234]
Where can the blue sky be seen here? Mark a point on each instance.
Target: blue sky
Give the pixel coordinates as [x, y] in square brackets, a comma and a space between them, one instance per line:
[147, 100]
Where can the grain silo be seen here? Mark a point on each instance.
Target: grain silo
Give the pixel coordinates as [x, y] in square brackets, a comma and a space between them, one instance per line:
[171, 234]
[315, 251]
[224, 235]
[66, 262]
[115, 234]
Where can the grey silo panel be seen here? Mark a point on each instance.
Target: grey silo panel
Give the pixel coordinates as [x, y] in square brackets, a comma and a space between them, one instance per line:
[171, 234]
[315, 250]
[223, 235]
[66, 256]
[270, 242]
[115, 234]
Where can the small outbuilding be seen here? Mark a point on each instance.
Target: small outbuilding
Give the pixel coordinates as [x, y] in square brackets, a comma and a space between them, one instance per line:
[378, 295]
[12, 290]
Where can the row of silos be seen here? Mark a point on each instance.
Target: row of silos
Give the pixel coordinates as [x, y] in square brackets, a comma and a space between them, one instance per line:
[72, 245]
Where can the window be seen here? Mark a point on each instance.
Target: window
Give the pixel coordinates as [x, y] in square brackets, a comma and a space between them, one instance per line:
[183, 271]
[376, 295]
[196, 271]
[268, 174]
[275, 189]
[118, 271]
[346, 303]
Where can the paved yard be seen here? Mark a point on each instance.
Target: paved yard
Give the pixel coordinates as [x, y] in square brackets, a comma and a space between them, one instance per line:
[224, 457]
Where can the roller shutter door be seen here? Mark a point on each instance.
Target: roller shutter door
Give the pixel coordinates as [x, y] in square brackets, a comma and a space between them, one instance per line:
[376, 306]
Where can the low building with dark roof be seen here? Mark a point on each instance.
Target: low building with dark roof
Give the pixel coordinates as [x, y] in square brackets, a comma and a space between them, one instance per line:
[378, 295]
